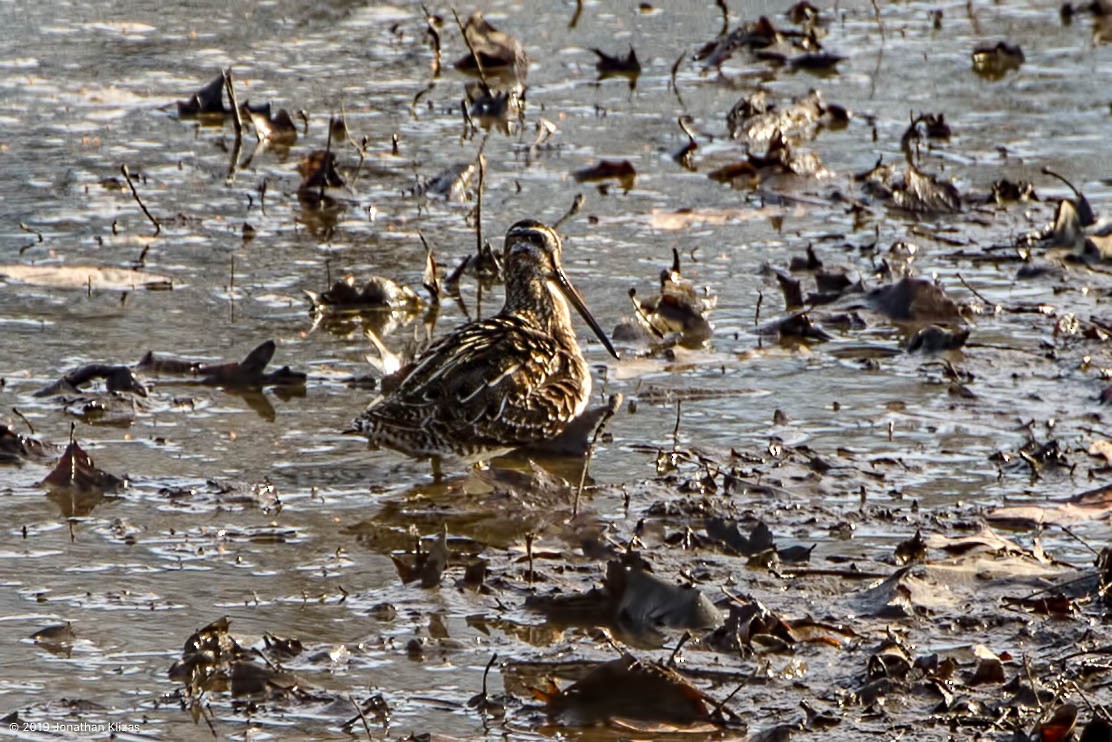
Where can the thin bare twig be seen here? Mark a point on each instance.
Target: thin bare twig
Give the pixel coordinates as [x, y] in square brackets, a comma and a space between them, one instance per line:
[362, 716]
[976, 293]
[135, 194]
[435, 36]
[471, 48]
[26, 422]
[612, 407]
[576, 205]
[237, 117]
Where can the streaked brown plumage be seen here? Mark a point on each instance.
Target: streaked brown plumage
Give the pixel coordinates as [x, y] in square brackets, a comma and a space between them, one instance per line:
[496, 384]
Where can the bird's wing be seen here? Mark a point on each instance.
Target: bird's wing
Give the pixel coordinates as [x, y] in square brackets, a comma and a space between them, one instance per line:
[498, 380]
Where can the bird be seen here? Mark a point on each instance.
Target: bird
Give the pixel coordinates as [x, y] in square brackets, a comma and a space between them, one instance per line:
[493, 385]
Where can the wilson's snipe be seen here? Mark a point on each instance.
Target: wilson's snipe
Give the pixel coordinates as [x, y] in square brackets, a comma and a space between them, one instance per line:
[496, 384]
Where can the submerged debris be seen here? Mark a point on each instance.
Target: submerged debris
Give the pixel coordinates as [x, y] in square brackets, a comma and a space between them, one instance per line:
[915, 300]
[374, 293]
[117, 379]
[619, 170]
[494, 50]
[75, 472]
[627, 688]
[993, 61]
[616, 66]
[250, 373]
[912, 190]
[677, 315]
[632, 600]
[757, 119]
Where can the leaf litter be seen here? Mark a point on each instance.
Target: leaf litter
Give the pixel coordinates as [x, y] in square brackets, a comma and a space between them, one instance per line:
[933, 621]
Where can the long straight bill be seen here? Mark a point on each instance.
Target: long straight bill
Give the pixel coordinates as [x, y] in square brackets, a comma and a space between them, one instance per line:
[581, 307]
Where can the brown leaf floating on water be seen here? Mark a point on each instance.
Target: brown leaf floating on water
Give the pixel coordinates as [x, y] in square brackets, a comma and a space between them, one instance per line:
[75, 471]
[499, 108]
[632, 600]
[923, 194]
[751, 625]
[278, 129]
[617, 66]
[915, 300]
[993, 61]
[627, 688]
[451, 183]
[913, 549]
[317, 170]
[250, 373]
[1094, 504]
[496, 50]
[1059, 727]
[620, 170]
[757, 118]
[374, 293]
[426, 566]
[117, 379]
[1057, 606]
[15, 448]
[208, 101]
[936, 339]
[750, 35]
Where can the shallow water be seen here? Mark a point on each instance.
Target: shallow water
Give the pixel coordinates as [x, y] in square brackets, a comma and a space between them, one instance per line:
[90, 86]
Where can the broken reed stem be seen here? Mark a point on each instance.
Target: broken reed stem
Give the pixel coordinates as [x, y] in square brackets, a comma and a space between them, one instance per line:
[435, 36]
[479, 202]
[684, 124]
[679, 645]
[576, 205]
[645, 319]
[362, 716]
[237, 117]
[493, 659]
[471, 48]
[612, 407]
[232, 290]
[327, 163]
[675, 85]
[575, 16]
[876, 13]
[676, 428]
[977, 293]
[135, 194]
[529, 553]
[26, 422]
[725, 15]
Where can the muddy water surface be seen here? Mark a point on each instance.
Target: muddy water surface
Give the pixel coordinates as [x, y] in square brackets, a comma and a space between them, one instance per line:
[255, 506]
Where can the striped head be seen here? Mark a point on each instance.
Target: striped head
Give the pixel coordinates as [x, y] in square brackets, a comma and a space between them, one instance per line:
[536, 284]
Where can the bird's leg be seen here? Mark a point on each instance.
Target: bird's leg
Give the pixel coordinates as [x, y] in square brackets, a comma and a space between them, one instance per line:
[437, 474]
